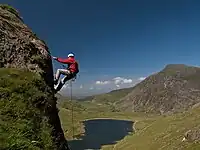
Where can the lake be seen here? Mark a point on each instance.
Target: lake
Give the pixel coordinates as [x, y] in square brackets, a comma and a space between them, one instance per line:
[99, 132]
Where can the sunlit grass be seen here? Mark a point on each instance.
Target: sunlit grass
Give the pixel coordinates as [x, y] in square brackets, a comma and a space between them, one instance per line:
[152, 132]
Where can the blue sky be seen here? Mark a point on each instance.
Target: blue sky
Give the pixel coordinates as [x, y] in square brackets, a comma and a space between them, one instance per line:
[114, 38]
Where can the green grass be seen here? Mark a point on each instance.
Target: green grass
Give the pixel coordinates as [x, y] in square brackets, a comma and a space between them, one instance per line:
[152, 131]
[106, 102]
[163, 133]
[10, 9]
[22, 125]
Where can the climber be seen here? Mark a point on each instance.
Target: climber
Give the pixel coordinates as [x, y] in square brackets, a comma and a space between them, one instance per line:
[69, 73]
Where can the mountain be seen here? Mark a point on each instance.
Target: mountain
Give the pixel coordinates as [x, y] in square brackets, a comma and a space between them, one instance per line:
[27, 100]
[173, 89]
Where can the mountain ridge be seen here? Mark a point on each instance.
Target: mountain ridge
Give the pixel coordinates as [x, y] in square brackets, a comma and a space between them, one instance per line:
[180, 78]
[174, 88]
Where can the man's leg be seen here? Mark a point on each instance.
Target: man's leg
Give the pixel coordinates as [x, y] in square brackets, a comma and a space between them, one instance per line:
[61, 83]
[58, 73]
[68, 77]
[57, 76]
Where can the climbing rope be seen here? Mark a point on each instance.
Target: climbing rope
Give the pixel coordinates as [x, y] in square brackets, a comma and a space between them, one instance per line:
[72, 109]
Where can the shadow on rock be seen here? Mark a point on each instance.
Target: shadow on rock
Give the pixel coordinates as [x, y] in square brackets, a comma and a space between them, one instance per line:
[101, 132]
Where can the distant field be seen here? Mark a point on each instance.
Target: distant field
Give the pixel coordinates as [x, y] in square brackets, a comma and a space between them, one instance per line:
[152, 132]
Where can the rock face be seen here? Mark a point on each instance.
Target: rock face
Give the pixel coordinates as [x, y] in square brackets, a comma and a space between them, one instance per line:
[21, 48]
[175, 88]
[192, 135]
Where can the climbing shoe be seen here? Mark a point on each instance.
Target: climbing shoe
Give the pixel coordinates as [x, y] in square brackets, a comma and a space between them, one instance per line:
[55, 81]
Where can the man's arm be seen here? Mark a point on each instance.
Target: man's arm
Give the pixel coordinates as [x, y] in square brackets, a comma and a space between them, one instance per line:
[64, 61]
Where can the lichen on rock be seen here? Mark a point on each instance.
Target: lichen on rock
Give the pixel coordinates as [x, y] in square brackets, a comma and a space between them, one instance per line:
[192, 135]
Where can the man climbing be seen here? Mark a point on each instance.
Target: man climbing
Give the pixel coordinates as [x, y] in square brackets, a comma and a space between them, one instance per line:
[69, 72]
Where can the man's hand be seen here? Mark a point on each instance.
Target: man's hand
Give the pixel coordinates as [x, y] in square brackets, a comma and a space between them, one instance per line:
[55, 58]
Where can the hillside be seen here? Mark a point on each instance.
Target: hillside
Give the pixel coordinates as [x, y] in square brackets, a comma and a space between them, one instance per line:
[67, 103]
[151, 131]
[175, 88]
[105, 101]
[108, 97]
[26, 99]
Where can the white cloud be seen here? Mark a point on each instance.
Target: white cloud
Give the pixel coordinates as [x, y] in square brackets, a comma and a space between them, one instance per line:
[117, 85]
[120, 80]
[103, 85]
[141, 78]
[128, 80]
[116, 82]
[102, 82]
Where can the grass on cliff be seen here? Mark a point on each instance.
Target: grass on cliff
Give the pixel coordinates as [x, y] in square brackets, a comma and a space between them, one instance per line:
[10, 9]
[22, 125]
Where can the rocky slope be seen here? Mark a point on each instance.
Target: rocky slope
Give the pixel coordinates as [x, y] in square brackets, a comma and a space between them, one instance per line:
[21, 48]
[175, 88]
